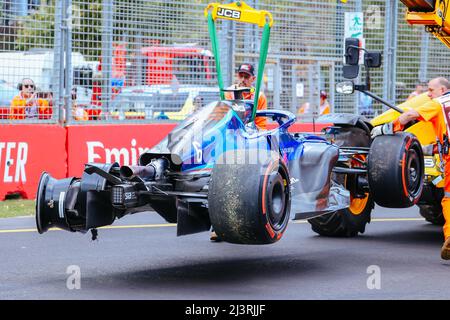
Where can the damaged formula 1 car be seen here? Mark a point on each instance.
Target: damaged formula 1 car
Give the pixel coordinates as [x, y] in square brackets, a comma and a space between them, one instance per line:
[213, 169]
[217, 169]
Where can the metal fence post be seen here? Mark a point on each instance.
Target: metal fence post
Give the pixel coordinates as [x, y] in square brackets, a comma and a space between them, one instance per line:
[318, 87]
[390, 51]
[250, 34]
[424, 51]
[294, 101]
[231, 41]
[339, 38]
[58, 63]
[140, 79]
[277, 86]
[394, 49]
[332, 86]
[68, 58]
[107, 43]
[358, 8]
[226, 50]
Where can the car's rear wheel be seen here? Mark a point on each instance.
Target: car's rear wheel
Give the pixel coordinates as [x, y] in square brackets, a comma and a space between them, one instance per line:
[249, 203]
[396, 170]
[346, 222]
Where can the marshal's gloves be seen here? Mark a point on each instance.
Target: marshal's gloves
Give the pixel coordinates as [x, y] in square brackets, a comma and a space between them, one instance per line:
[387, 128]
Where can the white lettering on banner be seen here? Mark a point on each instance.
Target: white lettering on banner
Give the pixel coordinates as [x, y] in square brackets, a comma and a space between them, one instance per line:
[91, 154]
[22, 156]
[20, 160]
[125, 156]
[8, 162]
[118, 156]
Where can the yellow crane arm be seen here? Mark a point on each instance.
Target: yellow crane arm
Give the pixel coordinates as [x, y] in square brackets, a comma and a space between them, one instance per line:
[433, 14]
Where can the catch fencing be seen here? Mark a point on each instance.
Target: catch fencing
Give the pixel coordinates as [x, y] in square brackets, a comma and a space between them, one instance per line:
[141, 61]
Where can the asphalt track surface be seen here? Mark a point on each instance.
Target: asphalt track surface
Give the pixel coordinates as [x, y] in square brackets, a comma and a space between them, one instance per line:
[140, 257]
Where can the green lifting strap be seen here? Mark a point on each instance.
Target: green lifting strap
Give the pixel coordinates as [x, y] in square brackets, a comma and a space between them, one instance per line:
[261, 65]
[215, 48]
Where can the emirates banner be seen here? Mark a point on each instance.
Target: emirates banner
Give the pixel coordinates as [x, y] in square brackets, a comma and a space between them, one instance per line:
[111, 143]
[25, 152]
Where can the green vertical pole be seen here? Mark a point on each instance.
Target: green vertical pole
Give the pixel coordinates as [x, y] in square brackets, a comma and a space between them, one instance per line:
[261, 65]
[215, 48]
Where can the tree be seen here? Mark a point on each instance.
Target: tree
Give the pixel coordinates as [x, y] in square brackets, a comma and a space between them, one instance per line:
[37, 29]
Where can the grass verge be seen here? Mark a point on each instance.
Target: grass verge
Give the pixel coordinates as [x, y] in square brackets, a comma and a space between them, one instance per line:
[17, 208]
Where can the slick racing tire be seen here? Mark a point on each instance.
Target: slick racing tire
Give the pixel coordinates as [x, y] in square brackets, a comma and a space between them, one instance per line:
[396, 170]
[249, 203]
[346, 222]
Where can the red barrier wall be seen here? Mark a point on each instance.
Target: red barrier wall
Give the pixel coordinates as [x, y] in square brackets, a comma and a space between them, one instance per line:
[26, 151]
[111, 143]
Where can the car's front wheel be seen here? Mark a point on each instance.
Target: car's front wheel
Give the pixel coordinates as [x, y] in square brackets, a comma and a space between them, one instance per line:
[249, 203]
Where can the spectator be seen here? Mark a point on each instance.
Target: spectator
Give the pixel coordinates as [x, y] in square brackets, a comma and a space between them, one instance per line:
[325, 106]
[198, 104]
[49, 98]
[245, 78]
[401, 91]
[46, 113]
[78, 113]
[162, 116]
[366, 108]
[96, 98]
[305, 108]
[27, 104]
[420, 88]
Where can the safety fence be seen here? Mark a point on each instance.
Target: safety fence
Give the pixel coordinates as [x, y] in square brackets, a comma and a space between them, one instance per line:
[142, 61]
